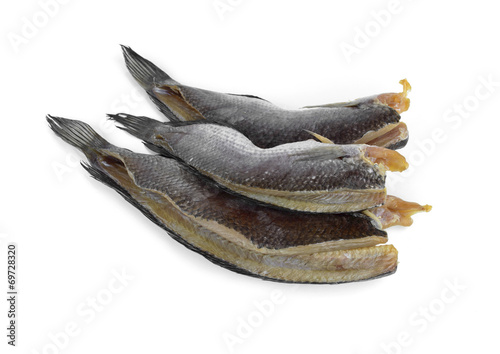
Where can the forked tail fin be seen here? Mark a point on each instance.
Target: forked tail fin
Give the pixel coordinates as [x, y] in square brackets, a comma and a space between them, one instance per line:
[148, 75]
[138, 126]
[144, 72]
[78, 134]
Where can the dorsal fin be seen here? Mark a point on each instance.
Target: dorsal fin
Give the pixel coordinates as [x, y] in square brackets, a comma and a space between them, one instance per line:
[249, 96]
[321, 138]
[352, 104]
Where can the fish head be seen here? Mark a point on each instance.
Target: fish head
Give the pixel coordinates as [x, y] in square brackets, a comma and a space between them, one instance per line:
[390, 133]
[377, 120]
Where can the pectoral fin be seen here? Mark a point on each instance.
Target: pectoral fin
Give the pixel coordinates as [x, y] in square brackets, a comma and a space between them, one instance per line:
[172, 97]
[320, 137]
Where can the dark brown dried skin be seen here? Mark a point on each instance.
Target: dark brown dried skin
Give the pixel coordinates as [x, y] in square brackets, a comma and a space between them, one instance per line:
[309, 265]
[265, 124]
[263, 226]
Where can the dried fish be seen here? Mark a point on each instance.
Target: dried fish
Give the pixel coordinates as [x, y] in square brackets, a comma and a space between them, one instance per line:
[306, 175]
[373, 120]
[233, 232]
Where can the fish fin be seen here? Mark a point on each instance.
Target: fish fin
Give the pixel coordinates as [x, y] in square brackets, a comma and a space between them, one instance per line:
[104, 178]
[138, 126]
[163, 108]
[77, 133]
[320, 154]
[148, 75]
[101, 176]
[248, 96]
[172, 97]
[321, 138]
[144, 72]
[373, 218]
[333, 105]
[161, 88]
[160, 150]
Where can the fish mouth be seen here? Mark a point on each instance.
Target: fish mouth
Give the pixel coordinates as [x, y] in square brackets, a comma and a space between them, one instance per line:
[389, 160]
[390, 136]
[398, 101]
[393, 135]
[396, 211]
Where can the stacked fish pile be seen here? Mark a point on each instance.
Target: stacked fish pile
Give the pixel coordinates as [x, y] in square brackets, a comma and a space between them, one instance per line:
[244, 182]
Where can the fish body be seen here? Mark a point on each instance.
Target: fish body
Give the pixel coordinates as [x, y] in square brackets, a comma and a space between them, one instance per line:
[373, 120]
[305, 176]
[236, 233]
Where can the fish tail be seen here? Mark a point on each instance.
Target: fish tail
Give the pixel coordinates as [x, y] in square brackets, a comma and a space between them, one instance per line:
[78, 134]
[144, 72]
[138, 126]
[148, 75]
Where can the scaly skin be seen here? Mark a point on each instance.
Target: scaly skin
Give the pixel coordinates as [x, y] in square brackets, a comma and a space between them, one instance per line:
[266, 124]
[245, 237]
[306, 176]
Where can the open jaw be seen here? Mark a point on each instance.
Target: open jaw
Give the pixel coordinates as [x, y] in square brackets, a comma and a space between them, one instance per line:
[389, 160]
[398, 101]
[391, 136]
[332, 266]
[396, 211]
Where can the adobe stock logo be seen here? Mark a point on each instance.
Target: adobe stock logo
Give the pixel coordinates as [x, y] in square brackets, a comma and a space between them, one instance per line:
[31, 25]
[423, 317]
[222, 7]
[453, 118]
[247, 326]
[365, 34]
[87, 312]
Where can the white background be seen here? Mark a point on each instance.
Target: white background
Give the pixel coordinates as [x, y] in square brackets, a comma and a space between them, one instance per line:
[73, 232]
